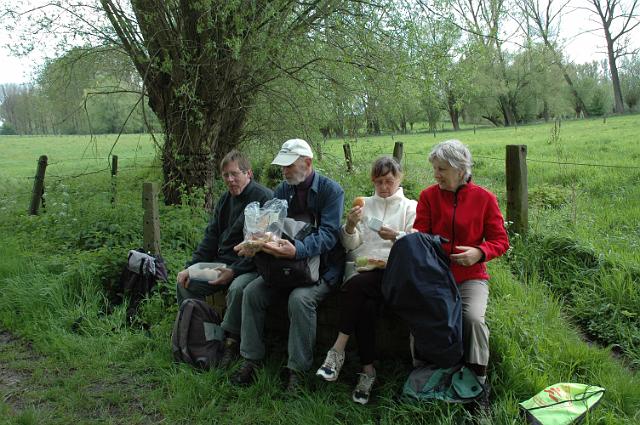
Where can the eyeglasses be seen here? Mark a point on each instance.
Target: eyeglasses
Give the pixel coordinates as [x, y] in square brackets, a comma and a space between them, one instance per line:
[234, 174]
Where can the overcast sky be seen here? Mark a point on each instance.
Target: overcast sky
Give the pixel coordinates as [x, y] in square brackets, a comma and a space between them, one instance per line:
[581, 47]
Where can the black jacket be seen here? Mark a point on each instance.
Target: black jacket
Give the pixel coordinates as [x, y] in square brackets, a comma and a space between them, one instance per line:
[225, 230]
[419, 287]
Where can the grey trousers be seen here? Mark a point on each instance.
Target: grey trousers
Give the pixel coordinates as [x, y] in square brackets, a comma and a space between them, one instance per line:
[475, 295]
[302, 304]
[233, 314]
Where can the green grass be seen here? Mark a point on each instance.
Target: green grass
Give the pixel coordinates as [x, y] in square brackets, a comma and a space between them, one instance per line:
[576, 274]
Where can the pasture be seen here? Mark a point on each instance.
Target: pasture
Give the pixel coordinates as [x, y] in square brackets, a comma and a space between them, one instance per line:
[564, 307]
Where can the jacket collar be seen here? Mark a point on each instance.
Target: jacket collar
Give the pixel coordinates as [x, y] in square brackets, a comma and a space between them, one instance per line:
[245, 191]
[393, 198]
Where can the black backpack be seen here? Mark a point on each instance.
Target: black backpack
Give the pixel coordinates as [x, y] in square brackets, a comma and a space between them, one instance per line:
[138, 279]
[197, 338]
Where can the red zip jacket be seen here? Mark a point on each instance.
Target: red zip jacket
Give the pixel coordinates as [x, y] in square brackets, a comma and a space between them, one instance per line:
[468, 217]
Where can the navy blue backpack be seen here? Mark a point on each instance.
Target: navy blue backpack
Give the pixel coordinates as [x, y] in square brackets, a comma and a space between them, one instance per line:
[419, 287]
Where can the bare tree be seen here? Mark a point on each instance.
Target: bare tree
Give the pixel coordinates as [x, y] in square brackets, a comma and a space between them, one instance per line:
[546, 17]
[618, 19]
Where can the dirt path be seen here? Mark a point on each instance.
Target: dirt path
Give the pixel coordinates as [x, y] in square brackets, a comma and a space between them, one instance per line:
[38, 389]
[16, 362]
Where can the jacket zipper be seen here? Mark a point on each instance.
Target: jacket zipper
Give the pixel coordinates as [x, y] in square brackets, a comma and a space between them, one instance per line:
[453, 221]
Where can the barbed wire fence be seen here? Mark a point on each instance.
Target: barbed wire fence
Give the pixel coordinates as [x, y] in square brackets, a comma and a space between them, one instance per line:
[356, 155]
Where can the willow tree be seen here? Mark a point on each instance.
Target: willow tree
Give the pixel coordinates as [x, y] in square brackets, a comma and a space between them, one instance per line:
[202, 64]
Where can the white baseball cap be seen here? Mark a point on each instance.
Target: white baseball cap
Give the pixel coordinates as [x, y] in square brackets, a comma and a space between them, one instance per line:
[291, 150]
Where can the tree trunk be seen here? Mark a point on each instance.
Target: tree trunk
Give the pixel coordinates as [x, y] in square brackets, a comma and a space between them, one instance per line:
[507, 112]
[455, 118]
[545, 111]
[615, 79]
[454, 112]
[195, 142]
[493, 120]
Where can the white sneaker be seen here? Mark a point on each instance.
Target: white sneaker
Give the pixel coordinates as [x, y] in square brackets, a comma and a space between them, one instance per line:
[363, 390]
[330, 369]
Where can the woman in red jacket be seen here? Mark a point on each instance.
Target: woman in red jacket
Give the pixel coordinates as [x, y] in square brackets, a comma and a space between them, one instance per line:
[469, 217]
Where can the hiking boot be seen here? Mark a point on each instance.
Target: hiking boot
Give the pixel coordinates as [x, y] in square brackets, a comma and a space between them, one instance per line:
[230, 353]
[483, 402]
[363, 389]
[294, 382]
[246, 374]
[330, 369]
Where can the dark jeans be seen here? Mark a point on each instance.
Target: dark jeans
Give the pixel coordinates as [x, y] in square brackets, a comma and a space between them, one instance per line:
[359, 305]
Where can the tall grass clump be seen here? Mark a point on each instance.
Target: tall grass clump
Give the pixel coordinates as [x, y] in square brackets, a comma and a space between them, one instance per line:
[600, 295]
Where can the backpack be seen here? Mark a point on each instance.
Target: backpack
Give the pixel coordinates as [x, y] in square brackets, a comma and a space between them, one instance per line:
[287, 272]
[138, 279]
[197, 337]
[456, 384]
[418, 286]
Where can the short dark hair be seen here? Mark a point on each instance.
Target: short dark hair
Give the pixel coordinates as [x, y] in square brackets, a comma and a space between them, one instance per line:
[236, 156]
[385, 165]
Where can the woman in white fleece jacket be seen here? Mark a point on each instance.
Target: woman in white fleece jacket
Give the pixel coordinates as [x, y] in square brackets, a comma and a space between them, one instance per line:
[369, 234]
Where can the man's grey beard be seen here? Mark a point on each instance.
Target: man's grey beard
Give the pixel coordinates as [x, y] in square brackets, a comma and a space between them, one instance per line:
[296, 179]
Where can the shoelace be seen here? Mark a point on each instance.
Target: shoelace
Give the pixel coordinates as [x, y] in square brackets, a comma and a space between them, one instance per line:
[365, 382]
[332, 360]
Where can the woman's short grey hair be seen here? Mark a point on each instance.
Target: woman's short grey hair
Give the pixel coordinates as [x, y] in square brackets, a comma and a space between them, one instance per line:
[455, 153]
[385, 165]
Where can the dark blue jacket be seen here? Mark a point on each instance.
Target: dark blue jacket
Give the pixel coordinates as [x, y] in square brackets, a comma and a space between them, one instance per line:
[419, 287]
[325, 200]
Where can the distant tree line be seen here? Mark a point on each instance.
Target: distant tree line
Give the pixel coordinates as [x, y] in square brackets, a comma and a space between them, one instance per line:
[87, 90]
[97, 91]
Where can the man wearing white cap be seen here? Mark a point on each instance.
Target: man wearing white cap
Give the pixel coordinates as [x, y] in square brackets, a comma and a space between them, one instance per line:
[307, 192]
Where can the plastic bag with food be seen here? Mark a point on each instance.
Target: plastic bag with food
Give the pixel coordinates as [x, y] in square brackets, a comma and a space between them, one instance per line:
[263, 224]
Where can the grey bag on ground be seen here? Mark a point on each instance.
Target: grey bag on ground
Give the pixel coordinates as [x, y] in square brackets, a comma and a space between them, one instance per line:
[197, 338]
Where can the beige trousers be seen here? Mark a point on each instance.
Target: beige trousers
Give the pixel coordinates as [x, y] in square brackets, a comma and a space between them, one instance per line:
[475, 295]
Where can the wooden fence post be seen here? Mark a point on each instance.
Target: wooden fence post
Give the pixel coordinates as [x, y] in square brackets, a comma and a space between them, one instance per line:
[151, 224]
[114, 165]
[347, 156]
[38, 185]
[517, 190]
[114, 183]
[398, 150]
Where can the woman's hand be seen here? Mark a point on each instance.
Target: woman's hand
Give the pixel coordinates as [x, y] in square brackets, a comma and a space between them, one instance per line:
[387, 233]
[468, 257]
[353, 218]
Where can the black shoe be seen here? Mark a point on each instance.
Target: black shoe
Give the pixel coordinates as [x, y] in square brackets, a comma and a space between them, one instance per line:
[482, 404]
[294, 382]
[230, 353]
[246, 374]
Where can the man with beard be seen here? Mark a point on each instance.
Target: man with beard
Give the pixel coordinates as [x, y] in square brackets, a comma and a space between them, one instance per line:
[307, 192]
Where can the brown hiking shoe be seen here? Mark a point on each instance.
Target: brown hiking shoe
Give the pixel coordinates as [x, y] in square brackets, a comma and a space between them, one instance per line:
[230, 353]
[246, 374]
[294, 382]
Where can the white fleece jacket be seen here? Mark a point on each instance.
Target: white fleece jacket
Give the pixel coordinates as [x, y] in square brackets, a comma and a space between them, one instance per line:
[396, 212]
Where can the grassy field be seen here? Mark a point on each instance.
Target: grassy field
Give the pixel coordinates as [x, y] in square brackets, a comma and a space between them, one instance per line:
[575, 275]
